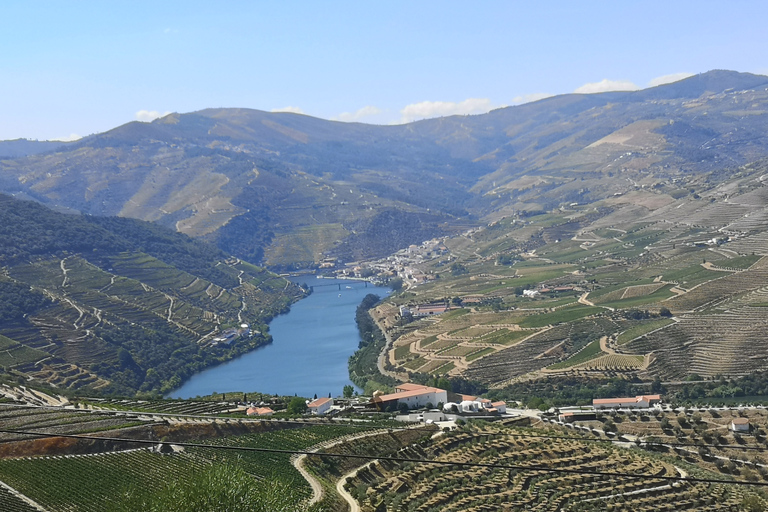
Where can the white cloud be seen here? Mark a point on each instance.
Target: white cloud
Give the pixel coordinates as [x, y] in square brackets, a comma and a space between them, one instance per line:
[294, 110]
[350, 117]
[71, 138]
[668, 79]
[529, 98]
[427, 109]
[606, 85]
[146, 116]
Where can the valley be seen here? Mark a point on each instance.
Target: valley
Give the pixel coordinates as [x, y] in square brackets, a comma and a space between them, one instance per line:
[541, 256]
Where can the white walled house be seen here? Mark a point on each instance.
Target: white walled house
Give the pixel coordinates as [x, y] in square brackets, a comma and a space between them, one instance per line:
[413, 395]
[739, 425]
[320, 406]
[637, 402]
[500, 407]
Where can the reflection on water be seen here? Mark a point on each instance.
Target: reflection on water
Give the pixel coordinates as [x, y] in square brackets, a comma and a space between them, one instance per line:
[309, 350]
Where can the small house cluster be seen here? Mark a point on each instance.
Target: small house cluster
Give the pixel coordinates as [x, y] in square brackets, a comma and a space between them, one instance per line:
[259, 411]
[230, 335]
[474, 405]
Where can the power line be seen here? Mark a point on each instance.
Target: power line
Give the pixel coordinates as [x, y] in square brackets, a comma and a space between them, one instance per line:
[118, 412]
[364, 425]
[515, 467]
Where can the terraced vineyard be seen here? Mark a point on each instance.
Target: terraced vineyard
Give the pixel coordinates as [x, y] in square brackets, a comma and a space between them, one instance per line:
[59, 421]
[93, 482]
[675, 285]
[122, 306]
[503, 480]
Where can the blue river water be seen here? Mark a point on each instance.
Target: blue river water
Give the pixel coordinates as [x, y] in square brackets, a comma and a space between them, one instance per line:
[309, 351]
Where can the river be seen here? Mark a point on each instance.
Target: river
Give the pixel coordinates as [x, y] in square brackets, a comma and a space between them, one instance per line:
[309, 351]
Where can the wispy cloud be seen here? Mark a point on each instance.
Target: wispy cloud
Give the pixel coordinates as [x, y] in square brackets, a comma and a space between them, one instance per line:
[668, 79]
[427, 109]
[294, 110]
[606, 85]
[70, 138]
[145, 116]
[358, 115]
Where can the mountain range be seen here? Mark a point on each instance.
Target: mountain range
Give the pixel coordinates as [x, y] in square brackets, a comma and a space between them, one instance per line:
[286, 189]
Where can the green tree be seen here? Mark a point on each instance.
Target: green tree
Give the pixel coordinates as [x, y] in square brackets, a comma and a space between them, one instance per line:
[348, 391]
[458, 269]
[297, 405]
[443, 383]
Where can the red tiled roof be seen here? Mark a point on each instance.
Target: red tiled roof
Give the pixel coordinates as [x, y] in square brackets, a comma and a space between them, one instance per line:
[409, 386]
[740, 421]
[408, 394]
[614, 400]
[319, 402]
[647, 398]
[259, 411]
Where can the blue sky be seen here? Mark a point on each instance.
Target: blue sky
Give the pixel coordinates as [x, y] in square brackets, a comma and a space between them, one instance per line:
[76, 68]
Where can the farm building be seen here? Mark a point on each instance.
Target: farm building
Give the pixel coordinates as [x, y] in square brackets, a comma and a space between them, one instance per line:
[259, 411]
[638, 402]
[569, 416]
[473, 405]
[739, 425]
[320, 406]
[429, 309]
[413, 395]
[500, 407]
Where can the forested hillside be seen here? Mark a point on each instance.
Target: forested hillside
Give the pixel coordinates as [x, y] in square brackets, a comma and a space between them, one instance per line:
[116, 305]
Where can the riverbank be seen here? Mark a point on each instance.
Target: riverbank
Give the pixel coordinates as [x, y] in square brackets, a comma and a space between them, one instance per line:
[310, 348]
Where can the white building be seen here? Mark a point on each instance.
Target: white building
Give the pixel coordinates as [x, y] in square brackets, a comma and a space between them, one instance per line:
[501, 407]
[413, 395]
[638, 402]
[470, 406]
[739, 425]
[320, 406]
